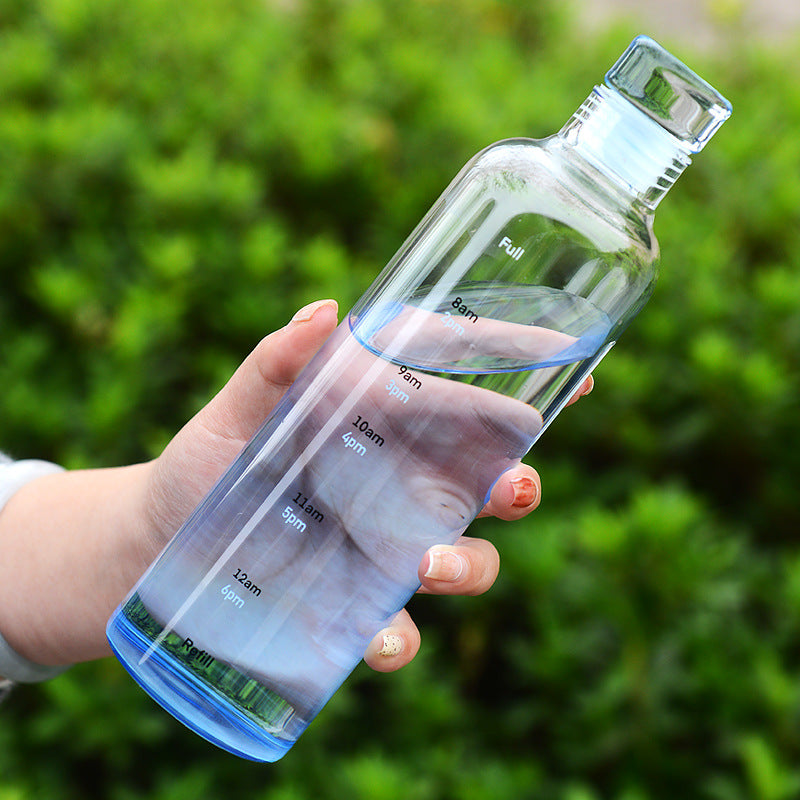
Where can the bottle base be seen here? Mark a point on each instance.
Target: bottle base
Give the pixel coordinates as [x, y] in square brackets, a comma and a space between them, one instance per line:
[190, 700]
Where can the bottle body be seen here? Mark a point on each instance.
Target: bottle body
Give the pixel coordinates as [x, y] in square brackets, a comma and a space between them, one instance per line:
[439, 380]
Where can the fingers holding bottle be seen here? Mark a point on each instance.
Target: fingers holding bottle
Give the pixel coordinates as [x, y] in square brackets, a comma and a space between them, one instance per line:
[516, 493]
[395, 646]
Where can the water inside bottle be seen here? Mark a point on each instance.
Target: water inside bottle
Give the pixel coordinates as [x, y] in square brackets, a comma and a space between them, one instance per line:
[482, 328]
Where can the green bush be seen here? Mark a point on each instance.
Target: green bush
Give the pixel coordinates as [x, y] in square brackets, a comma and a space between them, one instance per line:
[177, 179]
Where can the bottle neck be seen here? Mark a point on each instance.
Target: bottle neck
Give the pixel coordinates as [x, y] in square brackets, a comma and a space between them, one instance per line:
[629, 147]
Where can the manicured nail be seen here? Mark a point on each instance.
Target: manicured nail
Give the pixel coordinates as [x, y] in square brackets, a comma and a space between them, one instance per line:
[307, 312]
[445, 565]
[392, 645]
[524, 492]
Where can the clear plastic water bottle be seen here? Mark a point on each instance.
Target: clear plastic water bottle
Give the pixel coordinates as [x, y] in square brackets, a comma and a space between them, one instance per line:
[490, 316]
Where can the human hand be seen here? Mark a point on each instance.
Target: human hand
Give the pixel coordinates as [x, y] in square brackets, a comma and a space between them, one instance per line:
[204, 448]
[93, 532]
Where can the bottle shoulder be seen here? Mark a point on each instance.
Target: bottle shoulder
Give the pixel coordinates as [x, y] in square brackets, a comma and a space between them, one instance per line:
[545, 176]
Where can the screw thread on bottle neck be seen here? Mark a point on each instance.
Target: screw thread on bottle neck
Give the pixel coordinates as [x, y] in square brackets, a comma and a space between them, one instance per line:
[627, 146]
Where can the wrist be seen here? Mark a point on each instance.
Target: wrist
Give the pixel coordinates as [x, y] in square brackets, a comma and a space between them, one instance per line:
[14, 669]
[73, 544]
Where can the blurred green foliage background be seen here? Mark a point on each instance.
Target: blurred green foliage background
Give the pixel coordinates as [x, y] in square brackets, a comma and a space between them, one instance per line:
[176, 179]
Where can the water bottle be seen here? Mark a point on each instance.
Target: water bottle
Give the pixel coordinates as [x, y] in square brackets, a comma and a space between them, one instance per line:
[487, 320]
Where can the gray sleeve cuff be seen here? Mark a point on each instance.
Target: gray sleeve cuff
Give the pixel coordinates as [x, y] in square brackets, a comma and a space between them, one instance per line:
[13, 476]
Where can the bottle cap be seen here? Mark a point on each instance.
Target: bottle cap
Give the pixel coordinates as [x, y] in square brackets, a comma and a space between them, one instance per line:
[668, 92]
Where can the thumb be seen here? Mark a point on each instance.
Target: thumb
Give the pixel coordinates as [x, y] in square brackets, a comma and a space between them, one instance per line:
[265, 375]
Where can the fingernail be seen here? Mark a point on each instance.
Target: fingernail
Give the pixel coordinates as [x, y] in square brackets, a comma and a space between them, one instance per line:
[524, 491]
[589, 385]
[392, 645]
[445, 565]
[307, 312]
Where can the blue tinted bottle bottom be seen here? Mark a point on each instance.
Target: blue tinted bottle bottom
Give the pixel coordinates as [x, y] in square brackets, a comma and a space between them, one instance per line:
[194, 701]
